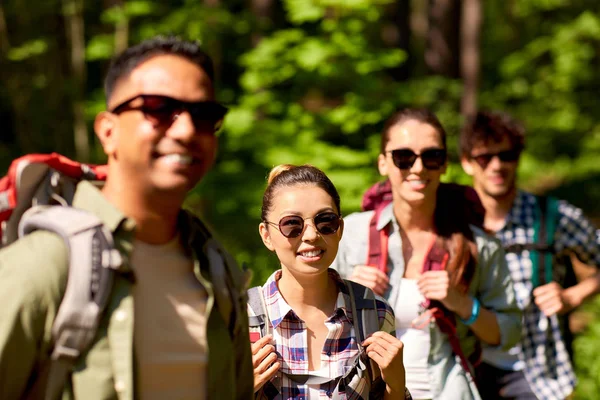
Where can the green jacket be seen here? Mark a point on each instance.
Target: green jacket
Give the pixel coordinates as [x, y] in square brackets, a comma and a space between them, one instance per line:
[33, 274]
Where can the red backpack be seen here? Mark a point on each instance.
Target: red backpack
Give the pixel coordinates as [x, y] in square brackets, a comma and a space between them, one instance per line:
[467, 202]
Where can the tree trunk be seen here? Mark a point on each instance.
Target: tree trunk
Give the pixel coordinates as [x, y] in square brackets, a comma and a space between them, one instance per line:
[470, 55]
[262, 10]
[121, 30]
[442, 49]
[4, 43]
[73, 12]
[395, 32]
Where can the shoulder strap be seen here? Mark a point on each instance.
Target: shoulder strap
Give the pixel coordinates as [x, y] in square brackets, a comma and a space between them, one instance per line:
[258, 316]
[544, 227]
[364, 318]
[92, 264]
[377, 254]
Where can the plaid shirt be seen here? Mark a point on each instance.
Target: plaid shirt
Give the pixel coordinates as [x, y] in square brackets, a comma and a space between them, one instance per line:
[290, 339]
[543, 350]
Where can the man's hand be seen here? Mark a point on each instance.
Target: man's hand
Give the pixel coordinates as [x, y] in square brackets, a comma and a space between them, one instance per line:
[552, 299]
[371, 277]
[386, 350]
[435, 285]
[264, 360]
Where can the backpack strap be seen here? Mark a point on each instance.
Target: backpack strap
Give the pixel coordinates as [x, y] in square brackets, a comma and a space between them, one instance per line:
[365, 319]
[436, 260]
[541, 249]
[258, 316]
[377, 254]
[93, 260]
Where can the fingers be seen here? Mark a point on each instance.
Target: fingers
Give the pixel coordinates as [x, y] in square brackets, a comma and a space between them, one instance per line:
[263, 375]
[548, 298]
[385, 339]
[259, 353]
[370, 277]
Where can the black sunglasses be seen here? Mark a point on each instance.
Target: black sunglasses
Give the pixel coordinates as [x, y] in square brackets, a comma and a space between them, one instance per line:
[292, 226]
[163, 110]
[505, 156]
[431, 158]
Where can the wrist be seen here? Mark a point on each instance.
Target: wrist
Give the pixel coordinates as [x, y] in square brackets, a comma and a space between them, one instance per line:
[466, 307]
[473, 314]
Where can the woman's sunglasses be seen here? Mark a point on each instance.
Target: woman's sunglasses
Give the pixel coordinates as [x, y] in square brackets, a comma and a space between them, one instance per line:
[431, 158]
[163, 110]
[292, 226]
[483, 160]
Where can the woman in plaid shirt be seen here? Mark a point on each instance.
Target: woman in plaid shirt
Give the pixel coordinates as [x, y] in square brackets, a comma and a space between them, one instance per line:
[308, 304]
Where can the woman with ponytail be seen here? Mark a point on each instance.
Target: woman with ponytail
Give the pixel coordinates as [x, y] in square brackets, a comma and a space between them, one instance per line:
[309, 340]
[445, 278]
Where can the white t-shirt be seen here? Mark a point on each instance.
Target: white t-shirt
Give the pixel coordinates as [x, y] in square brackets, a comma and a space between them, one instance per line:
[169, 323]
[417, 342]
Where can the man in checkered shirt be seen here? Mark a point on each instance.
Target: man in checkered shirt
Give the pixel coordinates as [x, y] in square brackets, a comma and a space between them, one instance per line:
[539, 367]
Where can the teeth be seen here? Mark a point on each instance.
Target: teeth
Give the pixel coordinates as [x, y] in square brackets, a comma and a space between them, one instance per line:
[178, 159]
[312, 253]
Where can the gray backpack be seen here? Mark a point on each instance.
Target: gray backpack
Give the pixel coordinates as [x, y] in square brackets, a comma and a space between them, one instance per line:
[365, 307]
[42, 188]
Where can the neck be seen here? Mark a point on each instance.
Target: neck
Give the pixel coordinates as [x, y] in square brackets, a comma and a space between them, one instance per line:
[496, 208]
[155, 214]
[308, 291]
[412, 217]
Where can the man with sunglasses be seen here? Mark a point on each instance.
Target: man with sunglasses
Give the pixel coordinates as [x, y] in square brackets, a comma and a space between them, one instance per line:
[539, 367]
[176, 321]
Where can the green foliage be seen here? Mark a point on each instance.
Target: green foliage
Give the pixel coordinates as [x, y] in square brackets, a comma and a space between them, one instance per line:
[314, 83]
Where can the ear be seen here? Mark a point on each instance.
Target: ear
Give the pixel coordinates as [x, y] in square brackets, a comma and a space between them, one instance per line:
[263, 230]
[467, 166]
[341, 230]
[382, 164]
[105, 128]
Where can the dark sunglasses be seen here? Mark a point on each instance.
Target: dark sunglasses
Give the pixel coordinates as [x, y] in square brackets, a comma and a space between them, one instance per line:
[163, 110]
[292, 226]
[431, 158]
[505, 156]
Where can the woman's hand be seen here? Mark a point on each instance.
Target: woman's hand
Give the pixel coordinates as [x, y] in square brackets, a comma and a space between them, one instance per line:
[264, 360]
[435, 285]
[386, 351]
[371, 277]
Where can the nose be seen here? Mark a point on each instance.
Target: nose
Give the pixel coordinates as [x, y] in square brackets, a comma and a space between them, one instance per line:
[182, 128]
[417, 165]
[495, 163]
[310, 233]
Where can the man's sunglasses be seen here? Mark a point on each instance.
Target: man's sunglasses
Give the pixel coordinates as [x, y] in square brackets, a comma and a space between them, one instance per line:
[163, 110]
[505, 156]
[431, 158]
[292, 226]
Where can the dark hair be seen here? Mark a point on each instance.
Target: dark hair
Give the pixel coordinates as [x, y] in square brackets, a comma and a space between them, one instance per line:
[452, 225]
[122, 65]
[491, 125]
[286, 175]
[422, 115]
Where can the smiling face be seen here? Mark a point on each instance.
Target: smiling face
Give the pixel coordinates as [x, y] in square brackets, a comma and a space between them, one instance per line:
[497, 179]
[416, 184]
[312, 252]
[166, 157]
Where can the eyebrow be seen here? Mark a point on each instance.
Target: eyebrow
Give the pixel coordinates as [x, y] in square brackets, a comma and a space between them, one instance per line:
[292, 212]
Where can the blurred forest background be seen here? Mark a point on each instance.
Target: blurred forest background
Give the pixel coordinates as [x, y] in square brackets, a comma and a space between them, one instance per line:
[311, 81]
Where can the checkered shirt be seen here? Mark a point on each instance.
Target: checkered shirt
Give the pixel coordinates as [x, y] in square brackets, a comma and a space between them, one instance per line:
[547, 365]
[290, 338]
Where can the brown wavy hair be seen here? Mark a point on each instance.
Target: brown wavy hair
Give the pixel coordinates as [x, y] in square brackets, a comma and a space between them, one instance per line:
[454, 210]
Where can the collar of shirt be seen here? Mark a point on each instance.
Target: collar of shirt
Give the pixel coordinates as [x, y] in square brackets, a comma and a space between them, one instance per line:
[278, 309]
[517, 211]
[386, 217]
[89, 198]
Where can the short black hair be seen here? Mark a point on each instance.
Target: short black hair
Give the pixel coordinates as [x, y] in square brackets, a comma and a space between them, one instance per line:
[493, 126]
[123, 64]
